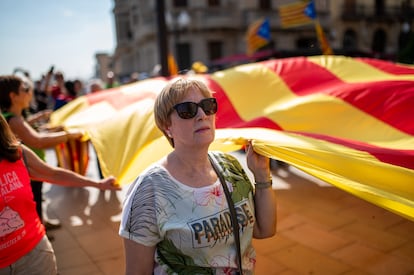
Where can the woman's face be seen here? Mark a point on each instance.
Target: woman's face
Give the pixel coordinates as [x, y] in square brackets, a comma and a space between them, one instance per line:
[23, 97]
[195, 131]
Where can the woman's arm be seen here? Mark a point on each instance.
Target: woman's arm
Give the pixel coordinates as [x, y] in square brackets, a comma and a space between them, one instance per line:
[41, 171]
[39, 116]
[30, 137]
[139, 258]
[264, 198]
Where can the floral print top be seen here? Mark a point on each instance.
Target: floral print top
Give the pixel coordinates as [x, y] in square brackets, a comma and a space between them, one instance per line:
[191, 227]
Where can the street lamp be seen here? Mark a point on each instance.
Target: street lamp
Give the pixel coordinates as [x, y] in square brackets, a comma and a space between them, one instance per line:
[162, 38]
[178, 24]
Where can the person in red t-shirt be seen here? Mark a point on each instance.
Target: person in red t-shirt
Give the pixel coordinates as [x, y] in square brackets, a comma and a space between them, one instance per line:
[24, 247]
[15, 97]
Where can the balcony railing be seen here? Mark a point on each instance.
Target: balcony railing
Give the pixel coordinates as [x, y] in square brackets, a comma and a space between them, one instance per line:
[370, 13]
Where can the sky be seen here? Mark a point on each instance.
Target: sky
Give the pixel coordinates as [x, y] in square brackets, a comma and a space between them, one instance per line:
[67, 34]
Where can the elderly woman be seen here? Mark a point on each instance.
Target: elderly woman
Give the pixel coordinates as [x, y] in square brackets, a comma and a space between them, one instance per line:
[176, 217]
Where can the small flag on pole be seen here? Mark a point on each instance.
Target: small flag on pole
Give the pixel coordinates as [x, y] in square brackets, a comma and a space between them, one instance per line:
[303, 13]
[258, 35]
[297, 14]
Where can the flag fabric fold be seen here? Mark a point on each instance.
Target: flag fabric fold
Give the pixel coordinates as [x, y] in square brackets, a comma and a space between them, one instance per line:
[347, 121]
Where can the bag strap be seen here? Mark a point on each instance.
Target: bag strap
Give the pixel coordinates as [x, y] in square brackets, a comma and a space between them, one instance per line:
[233, 215]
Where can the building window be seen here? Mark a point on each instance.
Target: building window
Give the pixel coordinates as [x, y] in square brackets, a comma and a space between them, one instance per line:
[306, 43]
[213, 3]
[350, 40]
[265, 4]
[322, 5]
[134, 16]
[350, 6]
[379, 41]
[215, 49]
[180, 3]
[379, 7]
[405, 36]
[183, 57]
[123, 28]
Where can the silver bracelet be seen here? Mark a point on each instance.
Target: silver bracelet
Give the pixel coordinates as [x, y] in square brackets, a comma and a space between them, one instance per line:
[263, 185]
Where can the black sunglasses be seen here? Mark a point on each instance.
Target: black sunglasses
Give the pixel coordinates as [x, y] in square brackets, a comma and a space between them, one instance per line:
[187, 110]
[25, 89]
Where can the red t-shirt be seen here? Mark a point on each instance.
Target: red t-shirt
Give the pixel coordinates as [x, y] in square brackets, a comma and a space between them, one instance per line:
[20, 226]
[55, 92]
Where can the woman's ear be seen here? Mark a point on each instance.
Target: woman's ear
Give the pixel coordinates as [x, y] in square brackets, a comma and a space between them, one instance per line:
[168, 132]
[12, 95]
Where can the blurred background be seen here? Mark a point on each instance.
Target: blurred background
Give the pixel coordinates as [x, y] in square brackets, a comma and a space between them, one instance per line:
[129, 40]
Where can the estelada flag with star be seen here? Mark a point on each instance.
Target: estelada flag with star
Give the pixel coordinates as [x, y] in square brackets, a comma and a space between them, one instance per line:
[258, 35]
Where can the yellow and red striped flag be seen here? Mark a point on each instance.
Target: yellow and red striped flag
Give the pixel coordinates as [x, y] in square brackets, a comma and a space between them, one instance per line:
[258, 35]
[297, 14]
[347, 121]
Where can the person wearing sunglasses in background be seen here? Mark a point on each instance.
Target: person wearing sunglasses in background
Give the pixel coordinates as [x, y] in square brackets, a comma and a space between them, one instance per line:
[175, 217]
[24, 247]
[15, 98]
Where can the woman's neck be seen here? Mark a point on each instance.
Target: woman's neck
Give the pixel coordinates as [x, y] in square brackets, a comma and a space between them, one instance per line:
[192, 168]
[17, 111]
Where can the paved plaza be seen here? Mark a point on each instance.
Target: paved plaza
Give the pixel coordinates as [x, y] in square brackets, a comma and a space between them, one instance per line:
[321, 230]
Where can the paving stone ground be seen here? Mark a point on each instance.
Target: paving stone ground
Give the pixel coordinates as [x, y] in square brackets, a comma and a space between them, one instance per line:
[321, 230]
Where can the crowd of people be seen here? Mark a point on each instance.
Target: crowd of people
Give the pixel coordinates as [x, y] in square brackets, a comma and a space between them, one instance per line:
[194, 211]
[25, 246]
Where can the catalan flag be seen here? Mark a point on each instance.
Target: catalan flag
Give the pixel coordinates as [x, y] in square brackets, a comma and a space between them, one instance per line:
[258, 35]
[347, 121]
[297, 14]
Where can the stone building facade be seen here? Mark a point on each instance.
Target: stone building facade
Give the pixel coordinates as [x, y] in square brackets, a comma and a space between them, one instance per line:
[208, 30]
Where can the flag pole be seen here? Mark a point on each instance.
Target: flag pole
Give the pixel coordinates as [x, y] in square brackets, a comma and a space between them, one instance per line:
[323, 41]
[162, 38]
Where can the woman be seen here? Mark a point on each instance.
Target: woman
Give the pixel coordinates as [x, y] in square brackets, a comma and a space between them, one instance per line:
[15, 98]
[175, 216]
[24, 247]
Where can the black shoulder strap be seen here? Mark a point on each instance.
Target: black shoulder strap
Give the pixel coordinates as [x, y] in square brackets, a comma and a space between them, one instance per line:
[233, 215]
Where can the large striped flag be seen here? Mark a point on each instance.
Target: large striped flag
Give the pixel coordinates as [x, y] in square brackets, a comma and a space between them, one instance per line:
[297, 14]
[258, 35]
[347, 121]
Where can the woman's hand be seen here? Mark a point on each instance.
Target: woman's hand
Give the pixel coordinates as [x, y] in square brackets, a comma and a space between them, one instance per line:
[51, 129]
[258, 164]
[265, 199]
[45, 114]
[109, 183]
[74, 134]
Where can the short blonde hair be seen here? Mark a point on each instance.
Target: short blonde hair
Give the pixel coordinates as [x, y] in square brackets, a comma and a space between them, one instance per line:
[171, 95]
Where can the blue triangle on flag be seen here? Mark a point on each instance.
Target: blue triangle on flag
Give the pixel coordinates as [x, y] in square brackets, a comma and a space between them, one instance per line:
[310, 10]
[264, 30]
